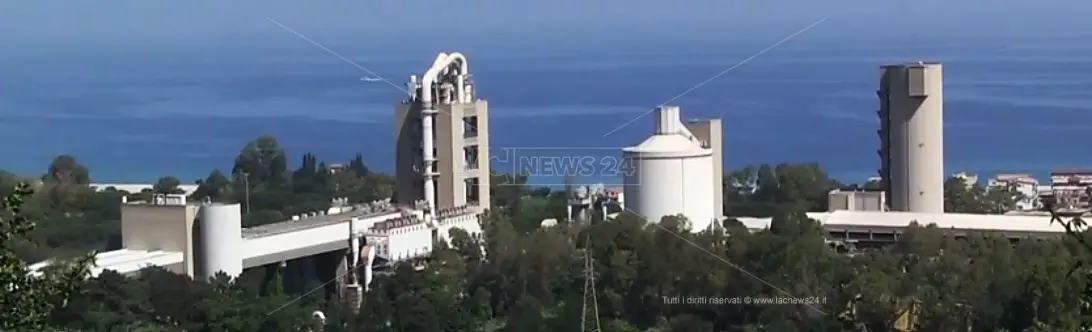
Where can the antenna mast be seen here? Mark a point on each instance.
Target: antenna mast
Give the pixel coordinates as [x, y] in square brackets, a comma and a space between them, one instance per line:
[591, 304]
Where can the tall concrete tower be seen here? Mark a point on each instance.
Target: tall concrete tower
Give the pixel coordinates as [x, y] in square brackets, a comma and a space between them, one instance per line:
[711, 135]
[912, 136]
[442, 138]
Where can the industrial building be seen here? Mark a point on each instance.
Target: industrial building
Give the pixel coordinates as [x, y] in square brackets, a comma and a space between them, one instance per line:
[186, 189]
[442, 160]
[856, 200]
[443, 184]
[442, 138]
[675, 172]
[912, 136]
[584, 200]
[887, 227]
[711, 135]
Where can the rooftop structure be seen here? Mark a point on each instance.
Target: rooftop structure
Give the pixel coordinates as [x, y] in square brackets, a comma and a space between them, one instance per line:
[858, 200]
[186, 189]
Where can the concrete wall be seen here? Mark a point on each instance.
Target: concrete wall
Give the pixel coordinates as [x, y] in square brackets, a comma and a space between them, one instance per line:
[449, 144]
[481, 110]
[856, 201]
[711, 132]
[407, 131]
[409, 241]
[449, 155]
[160, 227]
[912, 136]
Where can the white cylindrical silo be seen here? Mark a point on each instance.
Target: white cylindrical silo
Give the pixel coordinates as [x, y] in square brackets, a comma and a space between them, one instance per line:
[912, 110]
[672, 175]
[221, 240]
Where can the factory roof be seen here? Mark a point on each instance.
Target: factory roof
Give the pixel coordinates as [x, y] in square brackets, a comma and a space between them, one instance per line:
[123, 261]
[187, 189]
[310, 222]
[958, 221]
[672, 145]
[1071, 171]
[914, 64]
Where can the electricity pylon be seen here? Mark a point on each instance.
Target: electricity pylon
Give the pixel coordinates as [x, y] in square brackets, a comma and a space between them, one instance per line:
[590, 318]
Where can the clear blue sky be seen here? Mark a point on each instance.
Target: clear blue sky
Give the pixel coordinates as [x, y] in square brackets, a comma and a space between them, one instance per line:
[28, 27]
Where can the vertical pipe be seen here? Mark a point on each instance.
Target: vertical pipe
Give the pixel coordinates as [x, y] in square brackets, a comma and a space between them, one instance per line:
[427, 116]
[460, 88]
[354, 252]
[428, 113]
[369, 258]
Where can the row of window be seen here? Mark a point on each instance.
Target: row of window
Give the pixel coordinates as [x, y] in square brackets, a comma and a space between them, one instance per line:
[469, 128]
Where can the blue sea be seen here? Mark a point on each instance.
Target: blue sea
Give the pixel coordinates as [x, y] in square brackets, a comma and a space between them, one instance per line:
[1011, 104]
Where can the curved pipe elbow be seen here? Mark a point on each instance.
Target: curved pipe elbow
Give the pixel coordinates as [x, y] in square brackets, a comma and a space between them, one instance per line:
[456, 56]
[442, 61]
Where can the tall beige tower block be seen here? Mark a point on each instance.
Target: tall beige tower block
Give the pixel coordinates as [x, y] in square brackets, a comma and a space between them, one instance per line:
[912, 136]
[711, 134]
[442, 138]
[461, 150]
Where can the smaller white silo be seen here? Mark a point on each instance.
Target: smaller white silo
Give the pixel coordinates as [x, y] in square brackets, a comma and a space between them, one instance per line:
[672, 174]
[221, 227]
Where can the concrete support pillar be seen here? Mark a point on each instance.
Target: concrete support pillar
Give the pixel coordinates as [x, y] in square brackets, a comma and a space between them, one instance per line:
[332, 265]
[270, 282]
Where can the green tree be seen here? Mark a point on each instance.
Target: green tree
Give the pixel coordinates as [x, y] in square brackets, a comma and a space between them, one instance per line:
[28, 299]
[216, 186]
[526, 316]
[263, 160]
[65, 170]
[963, 197]
[764, 190]
[167, 185]
[999, 199]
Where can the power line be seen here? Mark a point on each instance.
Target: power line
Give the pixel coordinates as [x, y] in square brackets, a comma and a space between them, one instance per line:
[591, 303]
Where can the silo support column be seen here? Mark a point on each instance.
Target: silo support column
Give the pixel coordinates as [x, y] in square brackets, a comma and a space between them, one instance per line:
[329, 266]
[273, 281]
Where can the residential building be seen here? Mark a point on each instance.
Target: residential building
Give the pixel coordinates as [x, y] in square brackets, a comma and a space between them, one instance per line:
[1070, 188]
[1025, 184]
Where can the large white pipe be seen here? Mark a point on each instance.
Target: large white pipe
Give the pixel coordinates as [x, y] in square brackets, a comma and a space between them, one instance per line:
[369, 258]
[428, 114]
[354, 250]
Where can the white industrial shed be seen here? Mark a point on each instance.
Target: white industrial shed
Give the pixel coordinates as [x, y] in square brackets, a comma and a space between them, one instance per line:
[887, 221]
